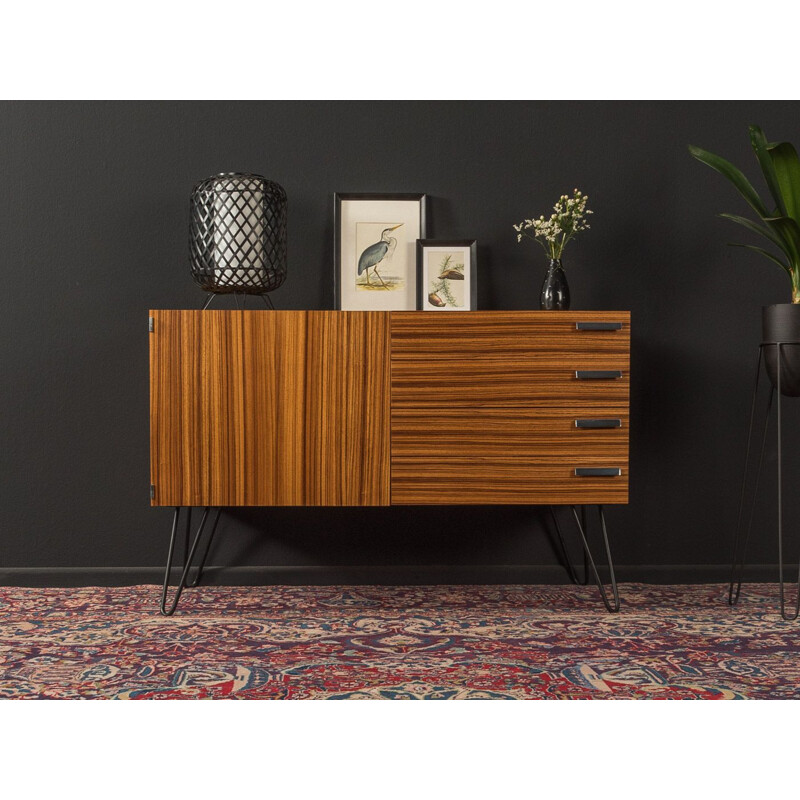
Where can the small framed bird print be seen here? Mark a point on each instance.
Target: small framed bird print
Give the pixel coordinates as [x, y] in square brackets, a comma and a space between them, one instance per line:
[447, 275]
[375, 265]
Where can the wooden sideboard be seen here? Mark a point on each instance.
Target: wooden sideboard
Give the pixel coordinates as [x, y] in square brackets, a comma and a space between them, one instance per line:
[356, 408]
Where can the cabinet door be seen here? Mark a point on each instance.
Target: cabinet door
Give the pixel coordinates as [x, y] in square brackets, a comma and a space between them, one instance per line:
[269, 408]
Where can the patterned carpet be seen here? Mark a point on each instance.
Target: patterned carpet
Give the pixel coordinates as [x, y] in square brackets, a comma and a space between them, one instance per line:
[448, 642]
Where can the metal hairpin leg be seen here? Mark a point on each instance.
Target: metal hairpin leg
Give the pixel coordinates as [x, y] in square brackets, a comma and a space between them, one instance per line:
[198, 576]
[585, 551]
[612, 607]
[182, 583]
[565, 555]
[590, 567]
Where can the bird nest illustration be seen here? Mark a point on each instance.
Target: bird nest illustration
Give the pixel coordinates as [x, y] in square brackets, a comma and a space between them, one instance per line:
[447, 288]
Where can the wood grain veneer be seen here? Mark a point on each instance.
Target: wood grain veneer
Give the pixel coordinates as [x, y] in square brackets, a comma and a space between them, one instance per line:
[484, 407]
[484, 333]
[505, 455]
[269, 408]
[368, 408]
[506, 481]
[507, 358]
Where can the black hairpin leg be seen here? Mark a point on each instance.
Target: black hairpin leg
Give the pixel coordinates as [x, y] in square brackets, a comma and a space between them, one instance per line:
[589, 565]
[585, 551]
[565, 555]
[187, 533]
[739, 557]
[182, 583]
[199, 574]
[794, 616]
[612, 607]
[267, 301]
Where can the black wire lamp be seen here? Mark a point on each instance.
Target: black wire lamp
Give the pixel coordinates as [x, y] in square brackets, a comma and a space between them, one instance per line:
[237, 236]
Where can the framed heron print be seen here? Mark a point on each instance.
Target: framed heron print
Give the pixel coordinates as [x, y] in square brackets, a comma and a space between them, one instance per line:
[447, 278]
[374, 253]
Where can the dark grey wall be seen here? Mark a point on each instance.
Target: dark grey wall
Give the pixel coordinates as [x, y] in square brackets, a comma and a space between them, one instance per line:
[93, 232]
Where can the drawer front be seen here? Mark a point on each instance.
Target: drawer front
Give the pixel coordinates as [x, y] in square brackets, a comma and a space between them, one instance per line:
[502, 455]
[490, 381]
[505, 333]
[510, 359]
[502, 481]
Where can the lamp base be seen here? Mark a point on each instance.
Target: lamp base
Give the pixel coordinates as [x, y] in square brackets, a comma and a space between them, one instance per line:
[265, 297]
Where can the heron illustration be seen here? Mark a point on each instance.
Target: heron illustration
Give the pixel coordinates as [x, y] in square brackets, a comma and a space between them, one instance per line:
[376, 253]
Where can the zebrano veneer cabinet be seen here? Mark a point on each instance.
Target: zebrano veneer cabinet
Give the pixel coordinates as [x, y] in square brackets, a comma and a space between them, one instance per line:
[359, 408]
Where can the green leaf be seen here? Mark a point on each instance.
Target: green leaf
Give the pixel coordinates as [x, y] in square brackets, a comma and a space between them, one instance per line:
[734, 175]
[766, 253]
[761, 230]
[787, 169]
[789, 231]
[761, 147]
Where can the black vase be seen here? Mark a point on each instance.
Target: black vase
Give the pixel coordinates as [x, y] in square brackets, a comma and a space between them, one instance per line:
[555, 291]
[781, 323]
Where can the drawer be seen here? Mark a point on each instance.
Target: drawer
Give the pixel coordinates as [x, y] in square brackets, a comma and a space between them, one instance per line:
[522, 382]
[496, 455]
[528, 433]
[473, 481]
[509, 359]
[504, 334]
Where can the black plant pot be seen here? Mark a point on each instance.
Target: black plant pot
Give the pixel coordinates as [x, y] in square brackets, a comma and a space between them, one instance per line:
[555, 291]
[781, 323]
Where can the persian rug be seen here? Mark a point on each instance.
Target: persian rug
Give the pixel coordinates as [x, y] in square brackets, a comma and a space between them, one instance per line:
[384, 642]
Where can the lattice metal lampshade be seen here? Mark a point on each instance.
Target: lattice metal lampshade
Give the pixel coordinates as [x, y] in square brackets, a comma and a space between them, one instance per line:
[237, 234]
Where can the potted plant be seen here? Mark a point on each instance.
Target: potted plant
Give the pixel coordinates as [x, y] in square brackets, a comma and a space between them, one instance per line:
[779, 223]
[552, 233]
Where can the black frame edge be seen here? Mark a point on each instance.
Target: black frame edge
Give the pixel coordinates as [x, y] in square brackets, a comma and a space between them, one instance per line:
[338, 197]
[472, 244]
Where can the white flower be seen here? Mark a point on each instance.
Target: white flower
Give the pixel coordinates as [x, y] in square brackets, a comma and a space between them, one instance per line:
[553, 232]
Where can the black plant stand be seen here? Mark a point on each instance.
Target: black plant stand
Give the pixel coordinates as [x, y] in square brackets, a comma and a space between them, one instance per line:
[739, 553]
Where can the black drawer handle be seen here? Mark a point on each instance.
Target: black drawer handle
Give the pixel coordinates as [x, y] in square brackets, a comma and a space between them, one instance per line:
[598, 472]
[598, 423]
[597, 374]
[598, 326]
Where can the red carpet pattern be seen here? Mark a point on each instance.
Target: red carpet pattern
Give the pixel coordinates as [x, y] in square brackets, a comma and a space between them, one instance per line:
[437, 642]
